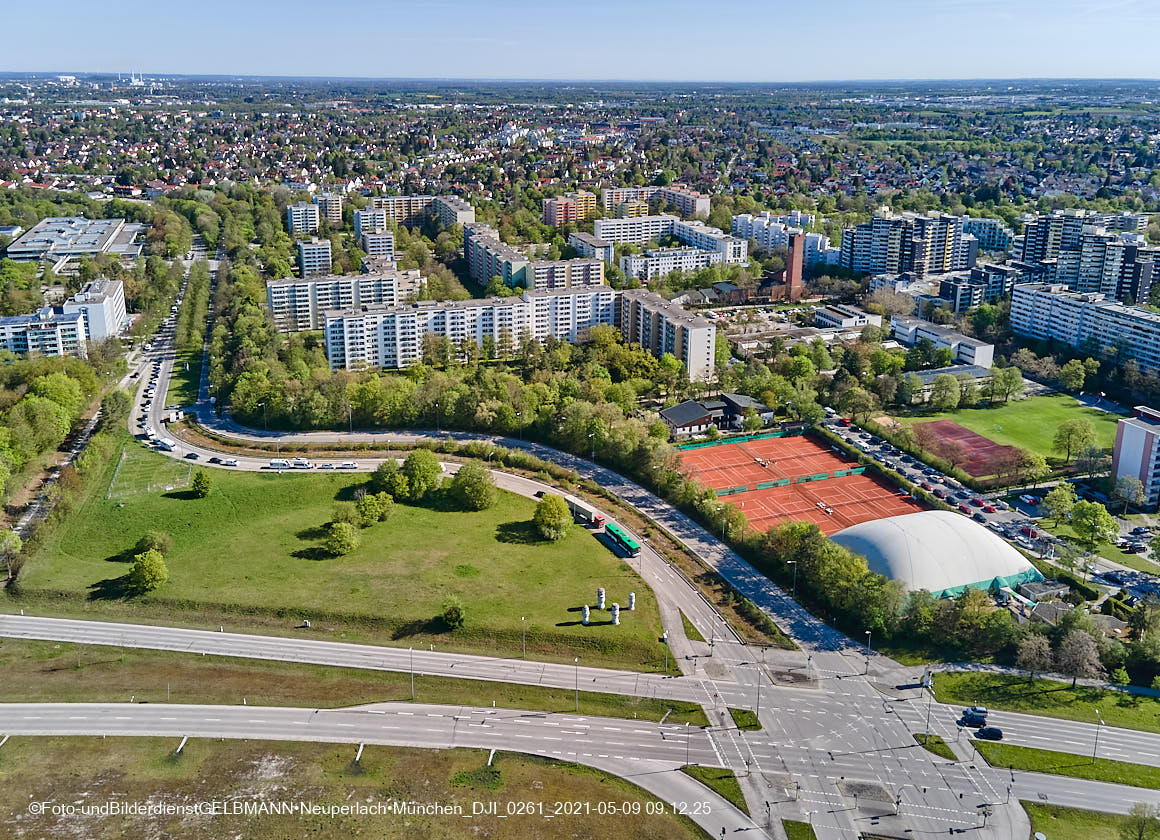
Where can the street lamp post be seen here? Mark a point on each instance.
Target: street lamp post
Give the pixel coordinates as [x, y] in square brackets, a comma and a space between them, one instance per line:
[687, 736]
[592, 437]
[265, 424]
[720, 510]
[412, 653]
[576, 662]
[868, 651]
[520, 423]
[794, 564]
[1096, 745]
[349, 419]
[436, 418]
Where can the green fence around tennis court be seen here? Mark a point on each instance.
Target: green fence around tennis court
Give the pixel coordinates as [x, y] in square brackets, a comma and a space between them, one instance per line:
[782, 482]
[704, 444]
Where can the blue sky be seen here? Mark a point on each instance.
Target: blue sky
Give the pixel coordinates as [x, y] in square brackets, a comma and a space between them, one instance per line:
[727, 40]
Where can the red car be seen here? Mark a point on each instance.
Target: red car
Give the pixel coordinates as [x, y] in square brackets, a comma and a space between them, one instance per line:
[988, 508]
[964, 509]
[976, 502]
[925, 485]
[1029, 531]
[939, 494]
[844, 421]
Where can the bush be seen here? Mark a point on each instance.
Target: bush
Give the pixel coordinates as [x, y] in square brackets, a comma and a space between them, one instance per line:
[158, 541]
[345, 512]
[149, 571]
[341, 538]
[453, 615]
[368, 509]
[553, 517]
[473, 487]
[423, 472]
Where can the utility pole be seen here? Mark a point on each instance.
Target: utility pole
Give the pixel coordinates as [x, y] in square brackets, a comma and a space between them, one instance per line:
[524, 627]
[412, 653]
[1096, 745]
[576, 662]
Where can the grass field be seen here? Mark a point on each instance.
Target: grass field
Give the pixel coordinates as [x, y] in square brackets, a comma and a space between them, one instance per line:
[1069, 764]
[745, 719]
[95, 770]
[1060, 823]
[691, 631]
[138, 471]
[720, 780]
[1029, 424]
[256, 546]
[798, 830]
[1105, 549]
[59, 672]
[1053, 699]
[183, 385]
[936, 745]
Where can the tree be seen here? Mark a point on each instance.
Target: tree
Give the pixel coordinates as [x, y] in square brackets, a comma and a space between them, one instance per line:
[1092, 524]
[1073, 435]
[1129, 490]
[968, 390]
[341, 538]
[1142, 823]
[10, 546]
[1079, 656]
[473, 486]
[553, 517]
[1007, 382]
[945, 393]
[454, 615]
[369, 509]
[154, 540]
[1120, 676]
[149, 571]
[1059, 502]
[750, 420]
[423, 471]
[1034, 654]
[1072, 375]
[201, 484]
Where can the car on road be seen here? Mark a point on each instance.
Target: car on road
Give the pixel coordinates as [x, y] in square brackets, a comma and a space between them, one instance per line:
[1141, 530]
[990, 733]
[348, 465]
[215, 460]
[973, 719]
[191, 456]
[230, 462]
[326, 466]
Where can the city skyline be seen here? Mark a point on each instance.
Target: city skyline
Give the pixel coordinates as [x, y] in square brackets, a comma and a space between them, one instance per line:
[735, 41]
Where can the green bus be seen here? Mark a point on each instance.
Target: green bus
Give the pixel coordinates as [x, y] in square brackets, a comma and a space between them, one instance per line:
[622, 540]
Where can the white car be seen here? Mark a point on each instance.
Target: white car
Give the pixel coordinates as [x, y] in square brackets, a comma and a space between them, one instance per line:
[348, 465]
[230, 462]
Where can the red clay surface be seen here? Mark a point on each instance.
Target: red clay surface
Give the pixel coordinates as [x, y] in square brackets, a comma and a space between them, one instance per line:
[851, 499]
[981, 453]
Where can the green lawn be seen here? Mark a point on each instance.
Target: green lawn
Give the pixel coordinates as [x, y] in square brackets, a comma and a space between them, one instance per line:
[1106, 550]
[745, 719]
[798, 830]
[1060, 823]
[1029, 424]
[721, 781]
[138, 471]
[936, 745]
[256, 546]
[183, 386]
[1069, 764]
[691, 632]
[1052, 699]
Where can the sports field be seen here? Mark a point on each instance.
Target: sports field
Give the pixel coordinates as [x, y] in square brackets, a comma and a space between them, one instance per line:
[775, 480]
[982, 453]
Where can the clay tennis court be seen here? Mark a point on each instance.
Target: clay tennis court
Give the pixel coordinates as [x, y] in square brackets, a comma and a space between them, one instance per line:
[806, 489]
[981, 452]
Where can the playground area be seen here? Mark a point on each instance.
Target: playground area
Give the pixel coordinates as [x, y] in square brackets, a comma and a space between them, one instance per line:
[793, 478]
[981, 453]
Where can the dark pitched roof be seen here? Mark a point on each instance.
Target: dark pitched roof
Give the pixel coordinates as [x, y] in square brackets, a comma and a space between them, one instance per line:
[974, 371]
[740, 402]
[688, 413]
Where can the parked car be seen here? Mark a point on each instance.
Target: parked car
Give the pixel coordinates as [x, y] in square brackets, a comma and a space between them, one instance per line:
[939, 494]
[964, 509]
[926, 486]
[978, 517]
[1028, 500]
[976, 502]
[1029, 531]
[988, 508]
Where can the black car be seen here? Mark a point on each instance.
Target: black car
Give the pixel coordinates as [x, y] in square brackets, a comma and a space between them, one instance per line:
[974, 719]
[192, 456]
[215, 460]
[990, 733]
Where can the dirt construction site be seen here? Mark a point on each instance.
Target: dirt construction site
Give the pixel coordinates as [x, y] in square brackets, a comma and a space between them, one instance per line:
[792, 479]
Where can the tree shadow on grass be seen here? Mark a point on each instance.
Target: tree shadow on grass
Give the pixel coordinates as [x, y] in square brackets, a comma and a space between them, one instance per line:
[350, 492]
[183, 495]
[314, 532]
[315, 552]
[112, 589]
[125, 556]
[519, 533]
[430, 626]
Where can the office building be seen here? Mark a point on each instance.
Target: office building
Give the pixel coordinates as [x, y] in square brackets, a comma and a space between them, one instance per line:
[1088, 321]
[966, 350]
[298, 304]
[330, 208]
[1137, 451]
[59, 238]
[395, 336]
[101, 303]
[660, 326]
[414, 210]
[658, 262]
[685, 201]
[589, 246]
[488, 257]
[314, 257]
[908, 242]
[838, 316]
[645, 229]
[302, 218]
[49, 331]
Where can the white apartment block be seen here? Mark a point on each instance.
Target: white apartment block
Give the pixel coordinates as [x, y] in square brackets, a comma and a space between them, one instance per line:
[564, 274]
[47, 332]
[298, 305]
[379, 244]
[413, 210]
[658, 262]
[643, 229]
[687, 202]
[393, 336]
[489, 257]
[1137, 452]
[1087, 320]
[661, 326]
[840, 316]
[330, 207]
[909, 242]
[589, 246]
[368, 220]
[302, 218]
[314, 257]
[101, 303]
[966, 350]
